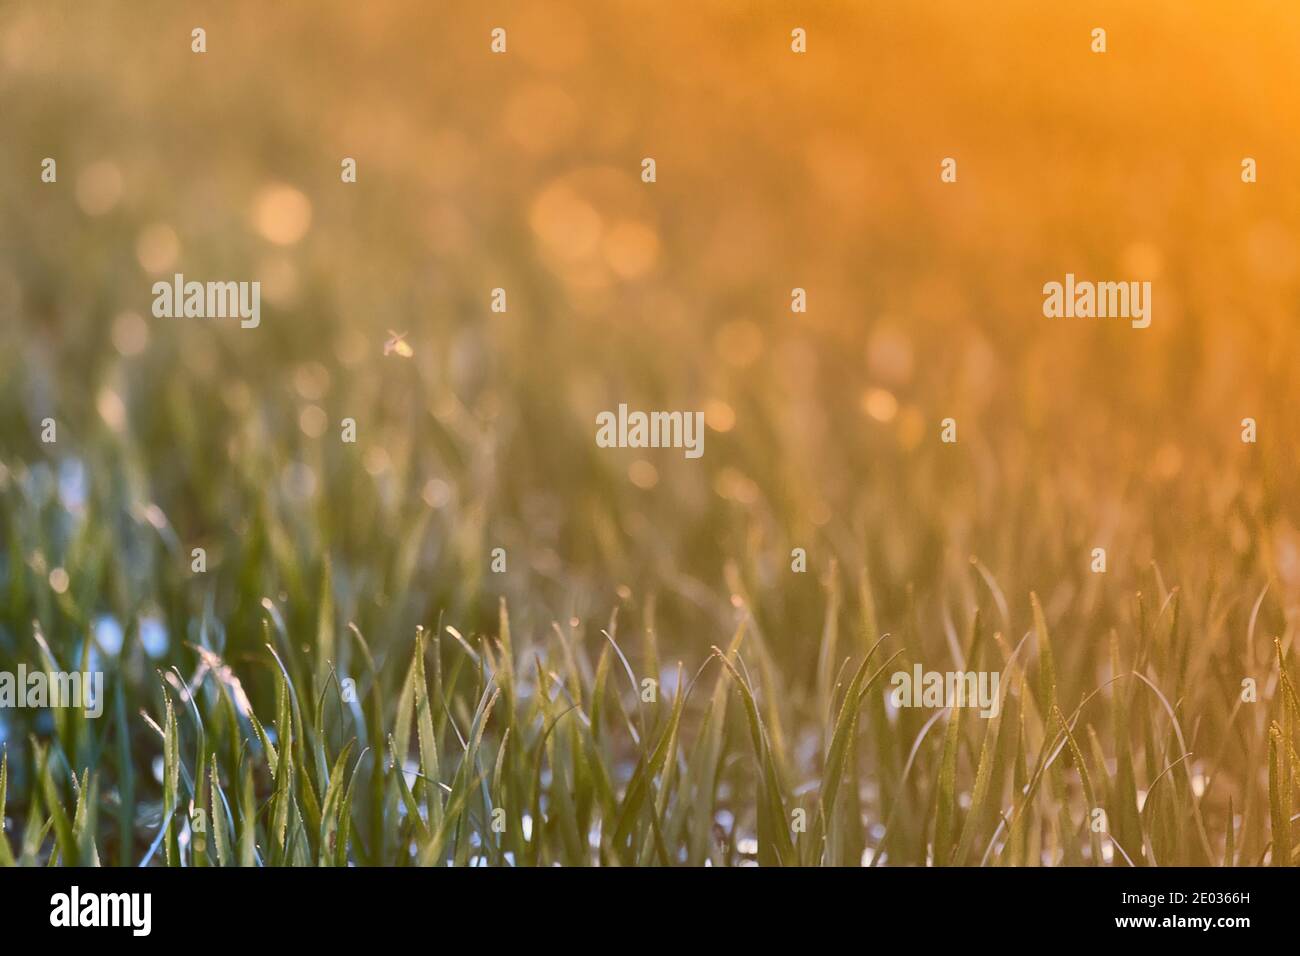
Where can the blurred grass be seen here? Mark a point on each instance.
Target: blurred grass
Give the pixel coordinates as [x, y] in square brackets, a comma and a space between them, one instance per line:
[370, 562]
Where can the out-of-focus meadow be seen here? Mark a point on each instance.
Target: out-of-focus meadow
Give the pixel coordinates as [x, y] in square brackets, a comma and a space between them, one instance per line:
[774, 171]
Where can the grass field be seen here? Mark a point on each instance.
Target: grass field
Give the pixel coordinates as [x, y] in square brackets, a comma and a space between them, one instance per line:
[353, 674]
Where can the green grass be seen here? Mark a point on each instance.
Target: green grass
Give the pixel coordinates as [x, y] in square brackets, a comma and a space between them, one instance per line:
[495, 750]
[350, 683]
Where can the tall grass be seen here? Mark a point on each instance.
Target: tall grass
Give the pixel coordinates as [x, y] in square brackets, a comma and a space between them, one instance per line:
[497, 749]
[649, 680]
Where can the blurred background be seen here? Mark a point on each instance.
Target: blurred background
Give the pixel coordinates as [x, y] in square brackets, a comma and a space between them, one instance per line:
[522, 171]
